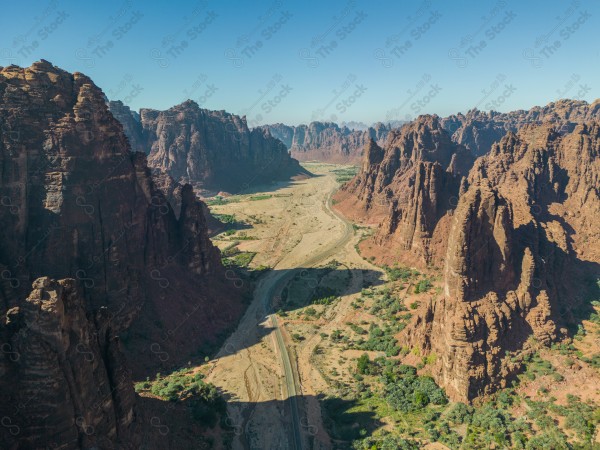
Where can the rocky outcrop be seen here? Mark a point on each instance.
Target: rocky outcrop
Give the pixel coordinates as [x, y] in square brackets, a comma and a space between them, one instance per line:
[522, 245]
[409, 186]
[516, 243]
[326, 141]
[69, 385]
[132, 125]
[478, 130]
[211, 150]
[82, 215]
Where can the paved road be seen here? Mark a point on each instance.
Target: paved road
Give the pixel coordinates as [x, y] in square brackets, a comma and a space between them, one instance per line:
[272, 288]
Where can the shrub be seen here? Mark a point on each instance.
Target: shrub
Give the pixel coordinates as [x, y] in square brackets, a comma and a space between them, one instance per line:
[357, 329]
[410, 392]
[336, 335]
[363, 364]
[423, 286]
[460, 413]
[399, 273]
[310, 311]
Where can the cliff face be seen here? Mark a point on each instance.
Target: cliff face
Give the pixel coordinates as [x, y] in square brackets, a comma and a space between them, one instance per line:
[212, 150]
[107, 257]
[409, 186]
[522, 246]
[132, 125]
[327, 142]
[74, 389]
[515, 237]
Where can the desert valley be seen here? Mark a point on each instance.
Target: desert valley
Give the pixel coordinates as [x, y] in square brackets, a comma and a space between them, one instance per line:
[443, 293]
[175, 275]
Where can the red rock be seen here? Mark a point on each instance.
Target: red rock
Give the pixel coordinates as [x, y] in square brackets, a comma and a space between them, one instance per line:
[87, 221]
[516, 239]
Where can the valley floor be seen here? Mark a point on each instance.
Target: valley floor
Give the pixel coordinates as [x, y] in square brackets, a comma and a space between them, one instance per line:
[296, 233]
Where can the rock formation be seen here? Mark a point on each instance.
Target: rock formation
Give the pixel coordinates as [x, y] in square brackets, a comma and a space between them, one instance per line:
[478, 130]
[132, 125]
[408, 186]
[327, 142]
[84, 224]
[522, 246]
[212, 150]
[516, 240]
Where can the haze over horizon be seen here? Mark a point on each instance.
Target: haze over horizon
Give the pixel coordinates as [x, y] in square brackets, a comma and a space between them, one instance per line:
[292, 62]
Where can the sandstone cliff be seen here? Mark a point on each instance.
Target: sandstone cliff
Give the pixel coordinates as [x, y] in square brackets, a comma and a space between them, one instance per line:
[515, 238]
[212, 150]
[478, 130]
[327, 142]
[408, 186]
[84, 222]
[132, 126]
[522, 247]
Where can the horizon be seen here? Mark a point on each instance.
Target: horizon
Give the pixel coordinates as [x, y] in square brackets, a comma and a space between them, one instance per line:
[267, 60]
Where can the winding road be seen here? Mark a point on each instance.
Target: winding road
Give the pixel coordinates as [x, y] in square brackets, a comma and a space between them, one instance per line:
[256, 391]
[274, 288]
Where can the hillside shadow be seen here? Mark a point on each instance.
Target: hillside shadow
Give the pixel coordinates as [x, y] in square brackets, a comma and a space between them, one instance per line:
[322, 286]
[293, 290]
[193, 424]
[238, 184]
[220, 223]
[571, 283]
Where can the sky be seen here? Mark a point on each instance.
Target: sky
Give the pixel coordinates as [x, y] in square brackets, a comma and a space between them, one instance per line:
[295, 62]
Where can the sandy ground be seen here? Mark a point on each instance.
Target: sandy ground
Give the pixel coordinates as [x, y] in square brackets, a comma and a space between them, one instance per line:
[294, 229]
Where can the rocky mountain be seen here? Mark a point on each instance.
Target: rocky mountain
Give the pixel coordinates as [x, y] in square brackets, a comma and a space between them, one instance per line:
[212, 150]
[95, 267]
[354, 125]
[132, 125]
[514, 238]
[478, 130]
[326, 141]
[408, 186]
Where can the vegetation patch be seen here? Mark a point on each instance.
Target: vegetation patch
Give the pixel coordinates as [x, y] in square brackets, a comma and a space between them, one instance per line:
[345, 174]
[239, 259]
[203, 400]
[254, 198]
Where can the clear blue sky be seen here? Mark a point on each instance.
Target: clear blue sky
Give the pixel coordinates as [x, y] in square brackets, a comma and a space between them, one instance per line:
[292, 62]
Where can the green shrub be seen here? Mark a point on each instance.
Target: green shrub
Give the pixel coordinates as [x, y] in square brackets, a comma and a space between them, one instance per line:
[363, 364]
[423, 286]
[406, 392]
[460, 413]
[399, 273]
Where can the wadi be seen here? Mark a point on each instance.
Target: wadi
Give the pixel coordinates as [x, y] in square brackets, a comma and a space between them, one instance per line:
[289, 265]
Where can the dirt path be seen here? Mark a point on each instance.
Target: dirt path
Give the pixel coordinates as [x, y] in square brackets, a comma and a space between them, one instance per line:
[272, 403]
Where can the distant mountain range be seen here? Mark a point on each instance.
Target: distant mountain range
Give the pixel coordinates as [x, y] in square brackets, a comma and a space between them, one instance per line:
[326, 141]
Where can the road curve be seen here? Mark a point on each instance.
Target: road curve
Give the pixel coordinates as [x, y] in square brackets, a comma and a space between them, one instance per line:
[273, 287]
